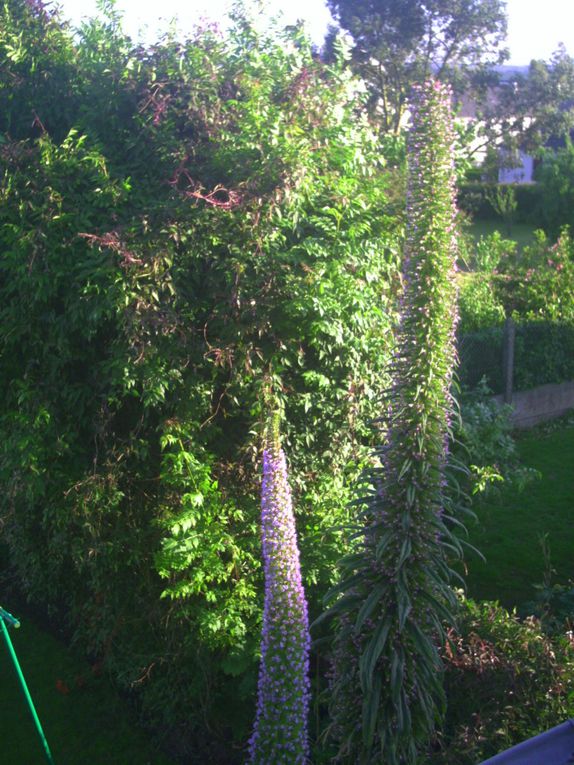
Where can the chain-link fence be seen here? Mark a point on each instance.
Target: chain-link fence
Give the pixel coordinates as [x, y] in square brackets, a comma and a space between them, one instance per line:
[517, 356]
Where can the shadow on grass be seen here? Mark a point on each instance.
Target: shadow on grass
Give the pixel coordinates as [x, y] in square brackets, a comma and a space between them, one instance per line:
[83, 718]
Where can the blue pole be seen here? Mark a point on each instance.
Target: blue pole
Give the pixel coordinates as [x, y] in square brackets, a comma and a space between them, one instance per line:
[6, 617]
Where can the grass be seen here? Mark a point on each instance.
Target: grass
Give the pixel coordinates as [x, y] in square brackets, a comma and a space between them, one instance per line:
[510, 527]
[83, 719]
[519, 232]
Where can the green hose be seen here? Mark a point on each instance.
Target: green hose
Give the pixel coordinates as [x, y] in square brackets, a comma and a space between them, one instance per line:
[7, 618]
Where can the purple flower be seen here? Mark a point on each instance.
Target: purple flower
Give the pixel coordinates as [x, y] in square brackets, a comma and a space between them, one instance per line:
[280, 731]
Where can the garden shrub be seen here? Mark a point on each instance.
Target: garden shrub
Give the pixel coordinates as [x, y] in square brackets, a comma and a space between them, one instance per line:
[39, 84]
[506, 681]
[480, 356]
[204, 216]
[491, 251]
[483, 441]
[475, 199]
[555, 177]
[539, 283]
[543, 354]
[536, 287]
[479, 305]
[553, 605]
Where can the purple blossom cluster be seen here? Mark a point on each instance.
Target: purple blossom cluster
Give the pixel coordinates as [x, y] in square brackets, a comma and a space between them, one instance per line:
[280, 732]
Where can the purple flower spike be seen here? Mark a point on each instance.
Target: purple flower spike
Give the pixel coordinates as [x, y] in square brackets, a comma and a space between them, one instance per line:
[280, 733]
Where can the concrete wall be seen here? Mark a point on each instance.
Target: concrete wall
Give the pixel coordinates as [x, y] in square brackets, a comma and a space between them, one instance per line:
[540, 404]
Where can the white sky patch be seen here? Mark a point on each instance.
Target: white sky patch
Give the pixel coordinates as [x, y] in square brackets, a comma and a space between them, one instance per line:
[536, 27]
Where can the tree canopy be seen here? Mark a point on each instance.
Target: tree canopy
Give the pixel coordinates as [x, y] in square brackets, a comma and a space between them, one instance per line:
[536, 107]
[399, 42]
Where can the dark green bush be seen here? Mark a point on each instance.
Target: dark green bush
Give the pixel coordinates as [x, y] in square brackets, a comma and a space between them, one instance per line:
[555, 176]
[205, 218]
[480, 356]
[506, 681]
[475, 199]
[543, 354]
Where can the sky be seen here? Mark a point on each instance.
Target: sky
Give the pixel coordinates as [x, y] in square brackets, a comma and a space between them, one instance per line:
[535, 27]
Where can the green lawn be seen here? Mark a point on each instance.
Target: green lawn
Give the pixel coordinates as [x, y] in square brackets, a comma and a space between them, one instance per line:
[83, 719]
[509, 528]
[520, 232]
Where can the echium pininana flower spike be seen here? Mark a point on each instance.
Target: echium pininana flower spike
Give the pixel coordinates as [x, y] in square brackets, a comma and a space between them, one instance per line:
[280, 732]
[386, 689]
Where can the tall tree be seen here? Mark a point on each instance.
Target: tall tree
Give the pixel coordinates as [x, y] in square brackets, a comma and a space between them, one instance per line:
[398, 42]
[534, 108]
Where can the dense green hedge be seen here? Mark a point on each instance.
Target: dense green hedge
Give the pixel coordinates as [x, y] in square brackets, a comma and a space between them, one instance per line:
[473, 198]
[194, 223]
[480, 355]
[543, 353]
[534, 285]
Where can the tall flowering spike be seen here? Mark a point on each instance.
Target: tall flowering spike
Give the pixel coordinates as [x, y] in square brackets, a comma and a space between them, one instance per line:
[280, 733]
[387, 693]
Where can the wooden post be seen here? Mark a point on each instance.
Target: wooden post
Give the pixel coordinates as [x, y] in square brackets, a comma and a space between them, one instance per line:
[508, 359]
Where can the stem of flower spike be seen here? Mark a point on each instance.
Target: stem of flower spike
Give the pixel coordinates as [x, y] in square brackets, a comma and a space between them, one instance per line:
[386, 693]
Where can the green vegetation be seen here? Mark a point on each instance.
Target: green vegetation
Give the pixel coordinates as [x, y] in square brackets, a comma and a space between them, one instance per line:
[396, 595]
[533, 285]
[183, 228]
[201, 219]
[522, 233]
[506, 681]
[511, 524]
[82, 716]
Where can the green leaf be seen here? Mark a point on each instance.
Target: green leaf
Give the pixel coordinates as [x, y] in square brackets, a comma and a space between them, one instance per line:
[370, 603]
[373, 651]
[371, 711]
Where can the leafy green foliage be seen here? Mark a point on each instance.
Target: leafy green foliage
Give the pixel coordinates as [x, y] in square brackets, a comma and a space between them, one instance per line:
[555, 175]
[538, 283]
[200, 217]
[400, 42]
[479, 305]
[484, 442]
[504, 203]
[506, 682]
[534, 285]
[39, 83]
[493, 251]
